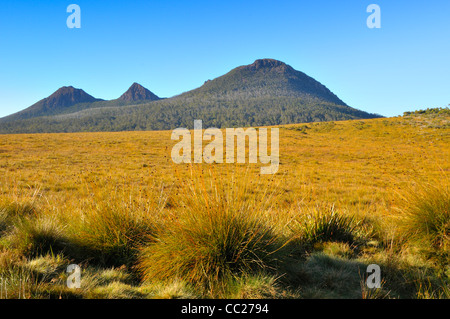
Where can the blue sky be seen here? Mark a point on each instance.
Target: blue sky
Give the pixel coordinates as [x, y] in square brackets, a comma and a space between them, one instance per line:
[174, 46]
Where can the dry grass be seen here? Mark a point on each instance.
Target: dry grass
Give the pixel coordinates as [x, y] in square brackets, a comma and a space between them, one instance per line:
[117, 200]
[219, 231]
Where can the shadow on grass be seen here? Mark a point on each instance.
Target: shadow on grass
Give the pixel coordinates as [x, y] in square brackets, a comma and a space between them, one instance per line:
[340, 274]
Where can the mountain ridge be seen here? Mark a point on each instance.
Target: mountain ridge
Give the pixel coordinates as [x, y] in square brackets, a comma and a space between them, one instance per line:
[265, 92]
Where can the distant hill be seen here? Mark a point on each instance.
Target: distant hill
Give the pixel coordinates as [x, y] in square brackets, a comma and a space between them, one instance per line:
[266, 92]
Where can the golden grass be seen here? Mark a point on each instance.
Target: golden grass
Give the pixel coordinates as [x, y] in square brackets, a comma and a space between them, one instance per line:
[219, 230]
[346, 165]
[113, 199]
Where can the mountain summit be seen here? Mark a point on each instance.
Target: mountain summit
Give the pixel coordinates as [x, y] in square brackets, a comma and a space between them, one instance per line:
[61, 99]
[137, 92]
[266, 63]
[64, 97]
[269, 78]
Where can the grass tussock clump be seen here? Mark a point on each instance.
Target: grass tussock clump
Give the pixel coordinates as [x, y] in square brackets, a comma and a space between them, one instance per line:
[37, 236]
[217, 233]
[426, 220]
[16, 204]
[28, 229]
[329, 226]
[114, 224]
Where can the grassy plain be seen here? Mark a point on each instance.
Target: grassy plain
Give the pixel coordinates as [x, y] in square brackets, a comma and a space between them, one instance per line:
[347, 194]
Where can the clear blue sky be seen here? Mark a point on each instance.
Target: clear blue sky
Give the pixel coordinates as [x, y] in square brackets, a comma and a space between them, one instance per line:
[174, 46]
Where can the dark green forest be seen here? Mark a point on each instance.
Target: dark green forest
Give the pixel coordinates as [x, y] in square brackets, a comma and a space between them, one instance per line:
[181, 112]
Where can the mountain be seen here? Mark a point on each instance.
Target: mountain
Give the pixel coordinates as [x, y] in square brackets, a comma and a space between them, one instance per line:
[59, 101]
[266, 92]
[266, 77]
[137, 92]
